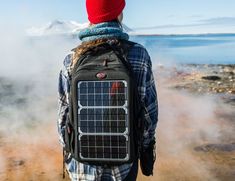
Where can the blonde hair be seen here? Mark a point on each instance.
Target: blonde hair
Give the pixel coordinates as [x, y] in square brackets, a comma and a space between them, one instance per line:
[85, 46]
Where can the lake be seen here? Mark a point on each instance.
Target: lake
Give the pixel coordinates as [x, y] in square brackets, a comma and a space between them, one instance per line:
[198, 49]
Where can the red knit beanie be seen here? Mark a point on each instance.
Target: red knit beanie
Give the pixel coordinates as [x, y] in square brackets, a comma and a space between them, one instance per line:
[104, 10]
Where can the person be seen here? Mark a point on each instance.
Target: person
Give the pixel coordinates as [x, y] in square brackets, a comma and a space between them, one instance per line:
[105, 18]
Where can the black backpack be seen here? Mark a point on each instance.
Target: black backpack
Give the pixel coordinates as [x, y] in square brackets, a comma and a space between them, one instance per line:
[104, 122]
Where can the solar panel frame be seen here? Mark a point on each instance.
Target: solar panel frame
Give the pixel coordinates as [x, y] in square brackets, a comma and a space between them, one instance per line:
[124, 134]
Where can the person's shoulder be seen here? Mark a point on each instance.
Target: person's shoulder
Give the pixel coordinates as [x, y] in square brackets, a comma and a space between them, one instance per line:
[138, 45]
[139, 49]
[139, 53]
[68, 60]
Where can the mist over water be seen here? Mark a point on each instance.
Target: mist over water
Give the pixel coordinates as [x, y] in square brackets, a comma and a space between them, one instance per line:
[29, 148]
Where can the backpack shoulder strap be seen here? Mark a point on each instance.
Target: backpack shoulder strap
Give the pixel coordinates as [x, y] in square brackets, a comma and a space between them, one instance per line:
[122, 53]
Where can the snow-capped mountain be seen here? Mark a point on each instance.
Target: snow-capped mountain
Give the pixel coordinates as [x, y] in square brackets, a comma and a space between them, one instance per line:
[58, 27]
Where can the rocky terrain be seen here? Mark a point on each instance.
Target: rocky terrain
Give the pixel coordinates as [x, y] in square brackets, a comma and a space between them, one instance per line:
[195, 133]
[217, 80]
[204, 78]
[197, 123]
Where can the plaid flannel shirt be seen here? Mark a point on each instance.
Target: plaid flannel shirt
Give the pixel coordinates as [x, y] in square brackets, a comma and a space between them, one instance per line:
[142, 68]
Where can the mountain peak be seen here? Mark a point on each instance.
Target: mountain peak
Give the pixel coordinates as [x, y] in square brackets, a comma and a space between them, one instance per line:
[58, 27]
[57, 22]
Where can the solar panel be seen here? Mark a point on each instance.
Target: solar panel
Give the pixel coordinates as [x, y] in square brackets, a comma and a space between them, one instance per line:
[103, 120]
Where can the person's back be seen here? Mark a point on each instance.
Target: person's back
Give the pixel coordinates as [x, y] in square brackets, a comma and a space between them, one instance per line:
[104, 17]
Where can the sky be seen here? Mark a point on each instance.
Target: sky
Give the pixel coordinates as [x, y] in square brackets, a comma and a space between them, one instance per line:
[152, 16]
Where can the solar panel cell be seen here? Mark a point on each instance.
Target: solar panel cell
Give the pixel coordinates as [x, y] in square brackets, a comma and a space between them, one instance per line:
[103, 147]
[102, 120]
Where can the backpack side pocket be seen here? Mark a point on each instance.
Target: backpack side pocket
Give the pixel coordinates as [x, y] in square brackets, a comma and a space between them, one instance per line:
[68, 137]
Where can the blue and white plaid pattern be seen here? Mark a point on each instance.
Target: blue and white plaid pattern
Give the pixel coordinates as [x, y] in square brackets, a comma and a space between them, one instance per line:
[142, 68]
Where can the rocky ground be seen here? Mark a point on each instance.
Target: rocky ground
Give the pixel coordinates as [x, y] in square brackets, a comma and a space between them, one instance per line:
[195, 133]
[202, 79]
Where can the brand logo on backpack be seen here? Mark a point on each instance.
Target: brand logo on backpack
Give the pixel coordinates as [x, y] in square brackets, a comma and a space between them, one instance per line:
[101, 75]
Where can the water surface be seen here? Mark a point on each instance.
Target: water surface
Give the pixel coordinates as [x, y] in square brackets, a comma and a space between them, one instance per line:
[201, 49]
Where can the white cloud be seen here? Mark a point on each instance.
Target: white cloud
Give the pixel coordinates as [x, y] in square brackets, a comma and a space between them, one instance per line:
[220, 21]
[212, 25]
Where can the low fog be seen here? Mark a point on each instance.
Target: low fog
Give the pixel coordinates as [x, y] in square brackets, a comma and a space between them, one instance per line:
[29, 74]
[29, 148]
[28, 104]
